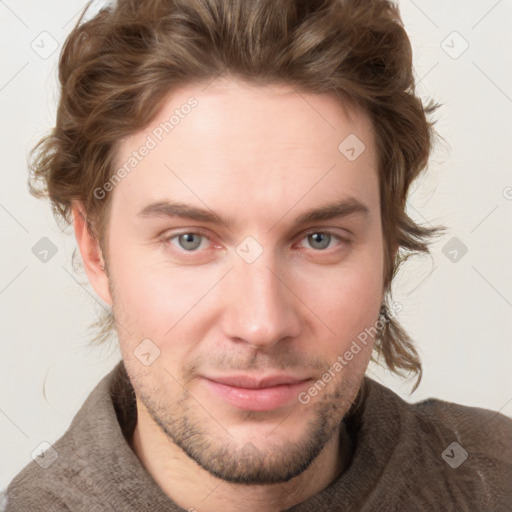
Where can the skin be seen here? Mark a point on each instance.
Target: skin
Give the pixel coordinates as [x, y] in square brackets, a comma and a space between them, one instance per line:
[260, 156]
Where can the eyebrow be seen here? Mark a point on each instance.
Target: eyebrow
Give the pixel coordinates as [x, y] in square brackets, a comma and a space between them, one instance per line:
[170, 209]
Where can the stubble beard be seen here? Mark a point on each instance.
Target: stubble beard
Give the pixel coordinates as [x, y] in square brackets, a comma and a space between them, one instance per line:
[245, 463]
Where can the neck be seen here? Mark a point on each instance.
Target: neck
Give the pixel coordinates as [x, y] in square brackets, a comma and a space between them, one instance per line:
[191, 487]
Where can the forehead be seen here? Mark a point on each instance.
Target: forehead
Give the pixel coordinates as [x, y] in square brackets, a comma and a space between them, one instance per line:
[247, 148]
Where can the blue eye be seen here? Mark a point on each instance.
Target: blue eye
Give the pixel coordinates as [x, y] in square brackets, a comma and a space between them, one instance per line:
[187, 241]
[321, 240]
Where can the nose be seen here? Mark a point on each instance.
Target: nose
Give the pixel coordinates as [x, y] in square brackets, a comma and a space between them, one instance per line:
[260, 306]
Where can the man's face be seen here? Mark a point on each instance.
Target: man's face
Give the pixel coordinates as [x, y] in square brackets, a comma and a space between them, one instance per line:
[261, 295]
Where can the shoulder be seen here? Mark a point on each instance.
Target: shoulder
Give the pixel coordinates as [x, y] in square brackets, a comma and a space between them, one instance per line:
[56, 478]
[46, 482]
[445, 449]
[28, 491]
[61, 484]
[486, 431]
[473, 447]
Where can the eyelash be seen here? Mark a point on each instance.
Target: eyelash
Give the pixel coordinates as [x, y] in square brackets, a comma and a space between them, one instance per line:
[166, 240]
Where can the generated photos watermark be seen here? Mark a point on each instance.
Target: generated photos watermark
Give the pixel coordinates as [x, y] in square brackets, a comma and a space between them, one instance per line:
[152, 140]
[343, 360]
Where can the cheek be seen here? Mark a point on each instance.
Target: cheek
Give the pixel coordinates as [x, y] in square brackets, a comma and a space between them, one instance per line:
[151, 307]
[351, 304]
[151, 299]
[158, 301]
[347, 300]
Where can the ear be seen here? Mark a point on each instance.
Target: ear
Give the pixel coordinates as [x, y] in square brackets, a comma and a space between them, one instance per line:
[91, 254]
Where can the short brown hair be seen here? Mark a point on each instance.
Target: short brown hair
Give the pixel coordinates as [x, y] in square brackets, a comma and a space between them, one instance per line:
[116, 68]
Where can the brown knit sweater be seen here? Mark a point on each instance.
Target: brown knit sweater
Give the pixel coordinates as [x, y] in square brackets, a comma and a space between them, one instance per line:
[428, 456]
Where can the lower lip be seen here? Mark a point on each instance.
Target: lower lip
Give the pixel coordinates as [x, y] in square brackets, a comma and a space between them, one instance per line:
[262, 399]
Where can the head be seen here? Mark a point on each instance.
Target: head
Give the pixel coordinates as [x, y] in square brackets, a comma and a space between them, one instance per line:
[201, 147]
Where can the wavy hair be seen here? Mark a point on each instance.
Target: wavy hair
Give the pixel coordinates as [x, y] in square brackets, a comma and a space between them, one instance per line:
[116, 68]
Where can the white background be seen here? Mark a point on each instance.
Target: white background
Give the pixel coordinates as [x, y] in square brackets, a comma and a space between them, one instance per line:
[460, 314]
